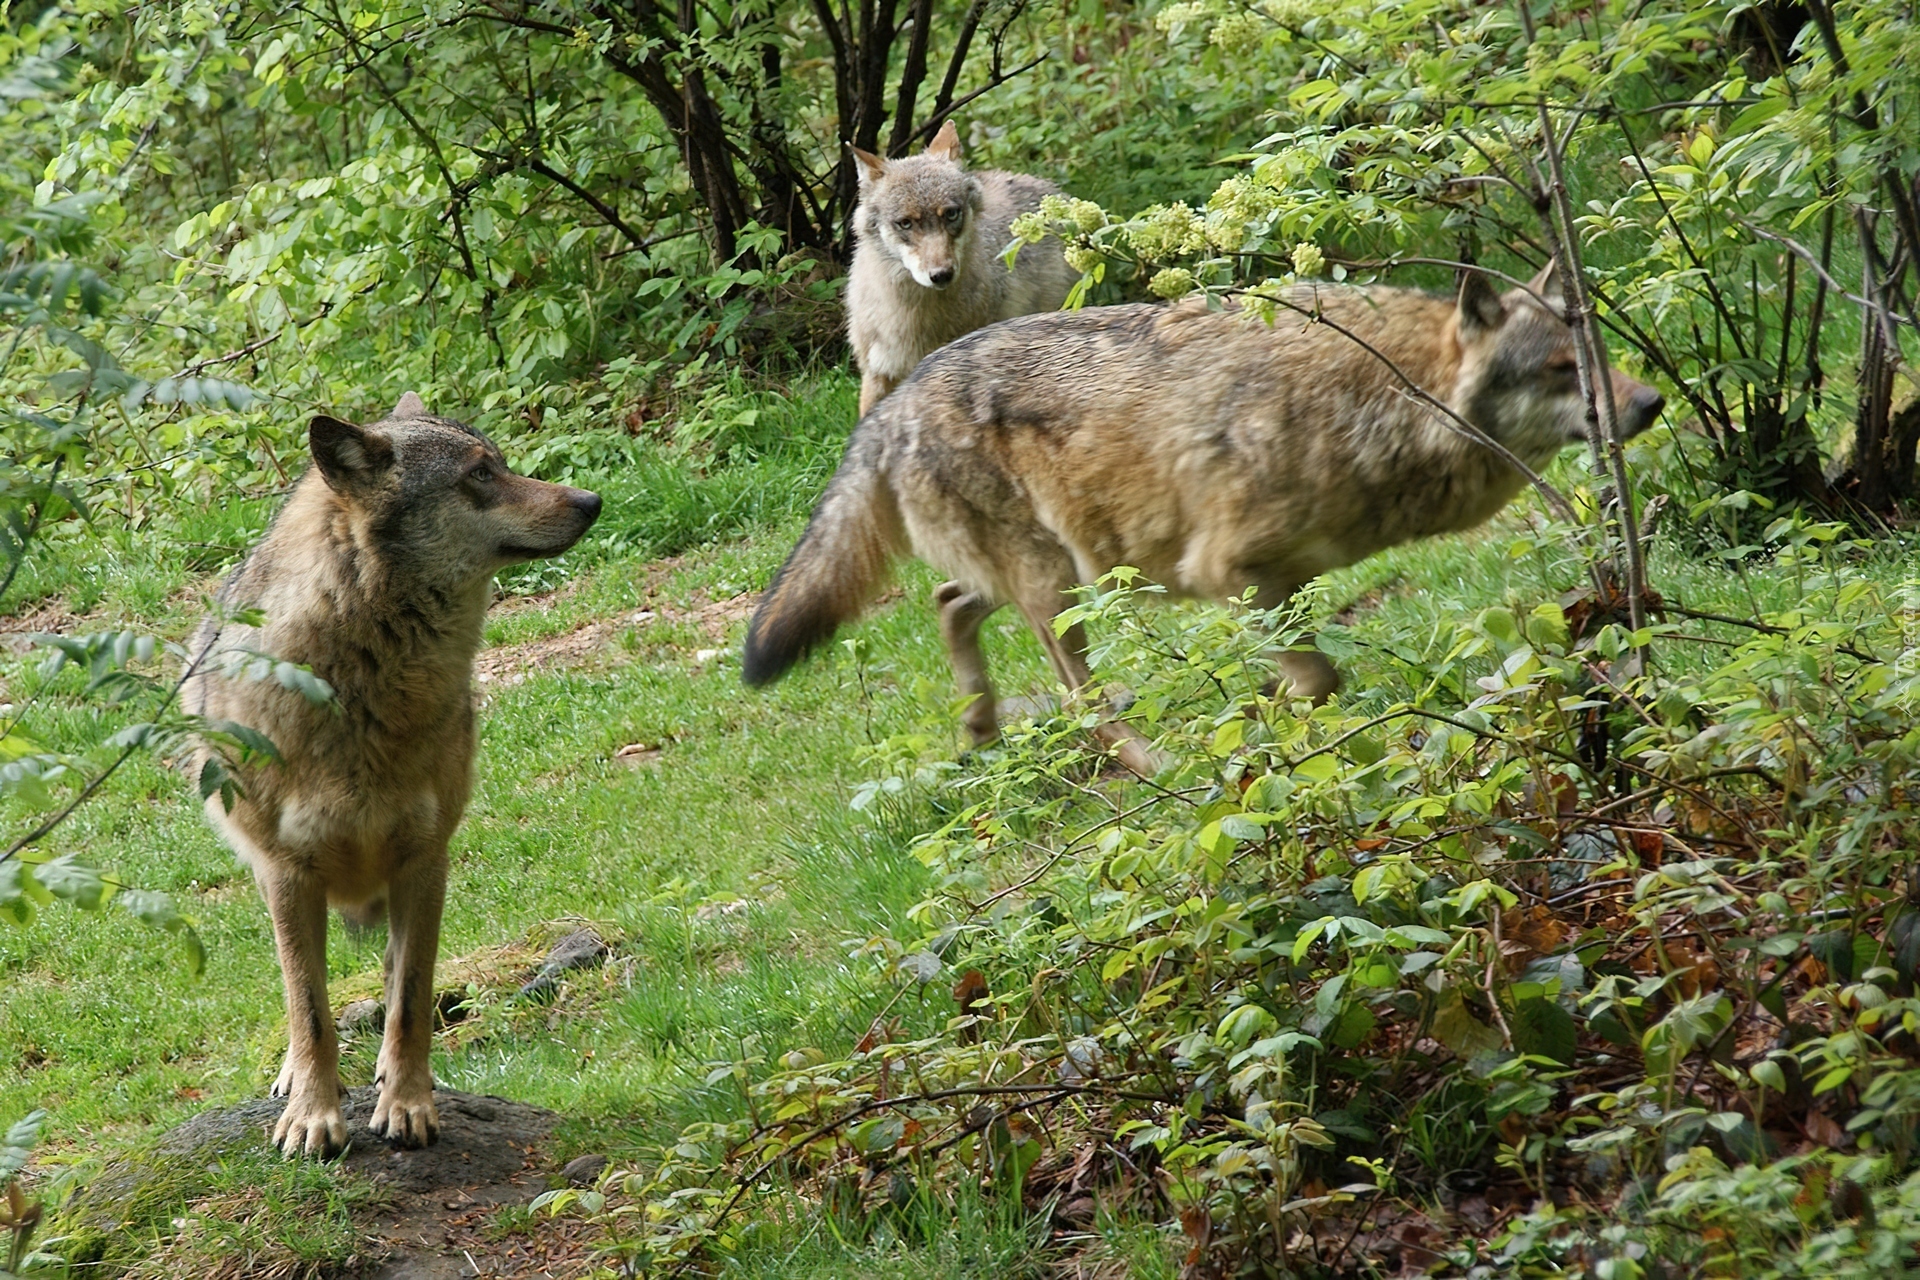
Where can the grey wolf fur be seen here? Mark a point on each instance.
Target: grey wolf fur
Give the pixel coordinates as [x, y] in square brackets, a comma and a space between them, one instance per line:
[926, 265]
[1209, 451]
[377, 574]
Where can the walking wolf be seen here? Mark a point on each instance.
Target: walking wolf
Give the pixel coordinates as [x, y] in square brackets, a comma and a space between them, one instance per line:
[1207, 450]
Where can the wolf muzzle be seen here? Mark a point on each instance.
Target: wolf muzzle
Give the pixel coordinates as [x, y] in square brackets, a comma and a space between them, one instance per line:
[1636, 404]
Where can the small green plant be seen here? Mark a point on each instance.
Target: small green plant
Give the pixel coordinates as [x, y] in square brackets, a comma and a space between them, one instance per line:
[19, 1215]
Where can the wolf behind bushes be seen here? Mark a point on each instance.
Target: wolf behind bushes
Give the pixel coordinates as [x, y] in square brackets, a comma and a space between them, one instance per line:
[1209, 450]
[927, 265]
[376, 575]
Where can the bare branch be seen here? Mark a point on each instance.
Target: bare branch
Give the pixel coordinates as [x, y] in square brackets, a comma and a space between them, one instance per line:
[927, 130]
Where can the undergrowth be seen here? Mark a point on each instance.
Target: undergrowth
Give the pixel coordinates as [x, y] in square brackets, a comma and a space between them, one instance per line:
[1529, 966]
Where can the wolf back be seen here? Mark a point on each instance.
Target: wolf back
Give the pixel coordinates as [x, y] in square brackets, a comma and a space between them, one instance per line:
[1209, 451]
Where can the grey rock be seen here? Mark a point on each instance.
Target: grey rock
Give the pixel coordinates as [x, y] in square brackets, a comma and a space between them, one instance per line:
[584, 1171]
[581, 949]
[361, 1015]
[487, 1156]
[482, 1139]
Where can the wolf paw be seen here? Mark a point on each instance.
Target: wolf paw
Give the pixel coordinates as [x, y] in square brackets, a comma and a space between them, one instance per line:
[312, 1127]
[282, 1086]
[408, 1117]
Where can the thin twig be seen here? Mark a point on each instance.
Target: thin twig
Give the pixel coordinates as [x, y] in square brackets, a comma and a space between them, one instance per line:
[1767, 628]
[1556, 202]
[241, 354]
[1443, 412]
[927, 130]
[33, 525]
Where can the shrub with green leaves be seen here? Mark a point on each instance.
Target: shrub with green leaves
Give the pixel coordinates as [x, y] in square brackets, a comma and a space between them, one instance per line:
[1509, 925]
[1731, 173]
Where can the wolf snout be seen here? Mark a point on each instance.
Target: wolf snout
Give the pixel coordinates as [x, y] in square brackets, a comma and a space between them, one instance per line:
[584, 501]
[1642, 409]
[940, 277]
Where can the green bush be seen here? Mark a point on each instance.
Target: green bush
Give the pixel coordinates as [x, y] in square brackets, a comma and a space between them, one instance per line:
[1509, 925]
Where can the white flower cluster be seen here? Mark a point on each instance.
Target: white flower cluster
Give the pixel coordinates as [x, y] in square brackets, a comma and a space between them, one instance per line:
[1237, 204]
[1239, 32]
[1030, 228]
[1167, 231]
[1171, 282]
[1175, 16]
[1086, 216]
[1058, 214]
[1082, 259]
[1234, 28]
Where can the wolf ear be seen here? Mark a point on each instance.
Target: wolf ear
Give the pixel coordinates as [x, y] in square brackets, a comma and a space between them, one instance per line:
[946, 143]
[1546, 279]
[348, 457]
[869, 167]
[1479, 306]
[410, 406]
[1545, 286]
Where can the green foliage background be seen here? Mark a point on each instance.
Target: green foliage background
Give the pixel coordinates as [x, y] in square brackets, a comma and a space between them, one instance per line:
[216, 218]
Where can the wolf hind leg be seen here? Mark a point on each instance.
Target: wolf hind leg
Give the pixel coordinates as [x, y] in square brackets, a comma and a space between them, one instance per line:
[405, 1112]
[961, 614]
[1308, 675]
[1304, 673]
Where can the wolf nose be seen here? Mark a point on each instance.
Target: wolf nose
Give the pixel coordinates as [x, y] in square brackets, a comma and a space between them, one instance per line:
[1646, 404]
[941, 277]
[584, 502]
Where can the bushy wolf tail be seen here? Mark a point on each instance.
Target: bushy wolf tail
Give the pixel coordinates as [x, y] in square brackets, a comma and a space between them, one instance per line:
[839, 564]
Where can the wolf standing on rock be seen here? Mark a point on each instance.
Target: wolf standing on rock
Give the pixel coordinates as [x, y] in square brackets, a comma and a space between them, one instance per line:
[377, 575]
[1208, 450]
[927, 264]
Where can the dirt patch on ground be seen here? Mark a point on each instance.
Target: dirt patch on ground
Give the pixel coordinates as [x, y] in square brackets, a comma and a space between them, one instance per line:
[48, 617]
[510, 663]
[450, 1211]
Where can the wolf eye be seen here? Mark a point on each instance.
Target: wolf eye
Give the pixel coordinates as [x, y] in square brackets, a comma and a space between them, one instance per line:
[905, 224]
[482, 474]
[953, 217]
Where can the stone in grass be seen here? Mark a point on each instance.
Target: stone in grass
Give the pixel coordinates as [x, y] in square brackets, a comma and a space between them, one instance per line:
[483, 1140]
[581, 949]
[361, 1015]
[584, 1171]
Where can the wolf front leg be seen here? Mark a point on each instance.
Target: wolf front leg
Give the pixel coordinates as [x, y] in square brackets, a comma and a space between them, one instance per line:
[310, 1078]
[875, 387]
[415, 897]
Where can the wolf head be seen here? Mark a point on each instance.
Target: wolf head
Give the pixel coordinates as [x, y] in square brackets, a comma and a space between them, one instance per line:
[438, 500]
[1519, 381]
[918, 210]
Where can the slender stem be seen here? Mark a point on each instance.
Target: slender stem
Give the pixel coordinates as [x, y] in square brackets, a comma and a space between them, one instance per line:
[33, 525]
[1555, 206]
[1443, 412]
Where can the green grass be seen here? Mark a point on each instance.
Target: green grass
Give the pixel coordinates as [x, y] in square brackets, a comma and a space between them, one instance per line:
[747, 803]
